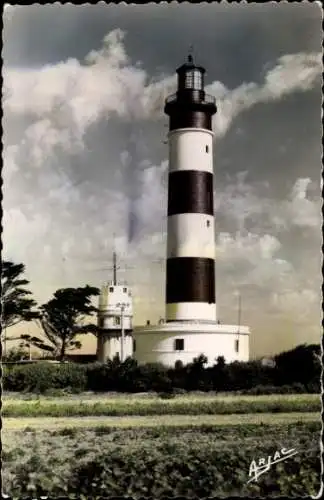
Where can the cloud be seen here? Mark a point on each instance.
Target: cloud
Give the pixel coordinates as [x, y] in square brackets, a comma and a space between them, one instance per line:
[262, 264]
[299, 209]
[152, 205]
[250, 260]
[251, 204]
[299, 302]
[72, 96]
[292, 73]
[67, 98]
[63, 101]
[249, 246]
[274, 290]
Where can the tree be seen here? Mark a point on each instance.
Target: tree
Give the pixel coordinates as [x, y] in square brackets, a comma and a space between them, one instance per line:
[220, 375]
[62, 318]
[16, 304]
[196, 376]
[220, 362]
[301, 364]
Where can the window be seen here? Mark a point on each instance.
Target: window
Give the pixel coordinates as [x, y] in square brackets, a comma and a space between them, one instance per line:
[179, 344]
[236, 346]
[194, 80]
[207, 148]
[134, 345]
[117, 320]
[125, 290]
[111, 288]
[208, 223]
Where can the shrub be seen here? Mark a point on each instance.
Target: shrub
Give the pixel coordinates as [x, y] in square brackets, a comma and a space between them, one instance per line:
[115, 376]
[16, 354]
[297, 388]
[179, 391]
[153, 377]
[99, 377]
[314, 387]
[42, 376]
[166, 395]
[259, 390]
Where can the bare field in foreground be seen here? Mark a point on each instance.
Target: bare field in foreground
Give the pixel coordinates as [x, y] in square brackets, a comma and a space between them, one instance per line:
[161, 460]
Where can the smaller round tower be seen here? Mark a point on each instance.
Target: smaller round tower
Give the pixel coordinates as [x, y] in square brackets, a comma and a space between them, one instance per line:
[115, 321]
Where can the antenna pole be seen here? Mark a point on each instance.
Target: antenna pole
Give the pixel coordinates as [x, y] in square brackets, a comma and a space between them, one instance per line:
[239, 312]
[115, 263]
[122, 333]
[190, 54]
[115, 269]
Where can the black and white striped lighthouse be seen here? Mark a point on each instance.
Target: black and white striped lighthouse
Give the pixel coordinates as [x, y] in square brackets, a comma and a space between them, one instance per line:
[190, 270]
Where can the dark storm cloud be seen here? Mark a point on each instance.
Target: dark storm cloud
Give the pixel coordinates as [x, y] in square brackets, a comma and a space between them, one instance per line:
[234, 41]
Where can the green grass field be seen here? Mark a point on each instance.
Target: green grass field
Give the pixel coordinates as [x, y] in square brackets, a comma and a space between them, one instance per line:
[181, 405]
[152, 396]
[158, 420]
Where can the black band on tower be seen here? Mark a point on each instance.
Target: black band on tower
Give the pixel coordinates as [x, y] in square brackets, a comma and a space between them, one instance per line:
[190, 279]
[190, 191]
[190, 119]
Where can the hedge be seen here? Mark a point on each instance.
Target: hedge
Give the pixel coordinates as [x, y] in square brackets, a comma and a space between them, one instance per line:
[247, 378]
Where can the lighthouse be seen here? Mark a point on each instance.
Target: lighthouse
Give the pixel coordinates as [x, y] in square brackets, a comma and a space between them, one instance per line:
[190, 269]
[191, 326]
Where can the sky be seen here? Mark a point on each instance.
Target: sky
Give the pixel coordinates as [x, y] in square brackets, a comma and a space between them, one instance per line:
[85, 160]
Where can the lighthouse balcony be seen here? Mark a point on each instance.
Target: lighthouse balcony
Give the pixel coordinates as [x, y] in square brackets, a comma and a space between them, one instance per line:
[194, 96]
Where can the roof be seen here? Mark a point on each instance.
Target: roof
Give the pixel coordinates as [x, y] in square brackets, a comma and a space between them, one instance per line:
[189, 64]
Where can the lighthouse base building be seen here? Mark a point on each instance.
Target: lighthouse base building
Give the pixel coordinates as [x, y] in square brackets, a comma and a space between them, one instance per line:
[184, 341]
